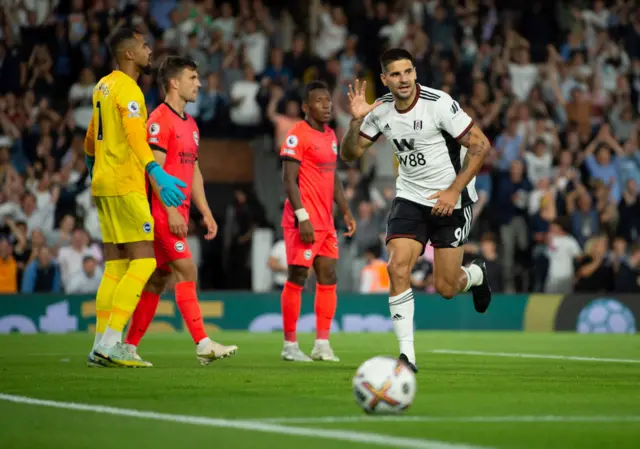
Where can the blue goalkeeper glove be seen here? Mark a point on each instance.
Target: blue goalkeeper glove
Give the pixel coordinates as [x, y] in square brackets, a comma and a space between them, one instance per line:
[170, 192]
[89, 161]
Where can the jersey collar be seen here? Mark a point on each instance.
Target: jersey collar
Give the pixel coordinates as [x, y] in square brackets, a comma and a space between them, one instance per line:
[412, 105]
[176, 112]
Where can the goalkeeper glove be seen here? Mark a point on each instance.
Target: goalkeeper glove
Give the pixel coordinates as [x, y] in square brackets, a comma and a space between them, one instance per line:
[170, 192]
[89, 161]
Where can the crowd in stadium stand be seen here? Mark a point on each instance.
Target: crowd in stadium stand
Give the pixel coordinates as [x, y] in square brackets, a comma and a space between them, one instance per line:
[555, 86]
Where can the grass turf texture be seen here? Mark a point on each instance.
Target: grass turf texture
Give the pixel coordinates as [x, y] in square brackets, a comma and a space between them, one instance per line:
[255, 385]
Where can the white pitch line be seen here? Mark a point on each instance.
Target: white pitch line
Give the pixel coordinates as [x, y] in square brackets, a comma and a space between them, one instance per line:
[535, 356]
[453, 419]
[257, 426]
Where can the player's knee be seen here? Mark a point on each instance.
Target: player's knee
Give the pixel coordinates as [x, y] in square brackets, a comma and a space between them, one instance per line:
[298, 275]
[157, 282]
[399, 271]
[185, 270]
[327, 277]
[445, 288]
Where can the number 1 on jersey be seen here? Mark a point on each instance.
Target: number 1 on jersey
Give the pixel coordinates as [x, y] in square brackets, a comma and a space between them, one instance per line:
[99, 121]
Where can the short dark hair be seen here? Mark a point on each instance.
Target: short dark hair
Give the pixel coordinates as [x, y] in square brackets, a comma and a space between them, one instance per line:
[172, 66]
[313, 85]
[395, 54]
[120, 37]
[564, 223]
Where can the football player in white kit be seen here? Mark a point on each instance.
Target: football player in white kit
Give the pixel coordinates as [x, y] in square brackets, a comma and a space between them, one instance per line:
[440, 151]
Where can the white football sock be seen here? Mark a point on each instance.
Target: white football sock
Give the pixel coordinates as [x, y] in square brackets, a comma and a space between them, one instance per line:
[401, 308]
[96, 340]
[474, 276]
[202, 344]
[111, 337]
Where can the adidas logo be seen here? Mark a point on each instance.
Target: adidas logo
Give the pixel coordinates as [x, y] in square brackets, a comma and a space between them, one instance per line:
[387, 127]
[397, 317]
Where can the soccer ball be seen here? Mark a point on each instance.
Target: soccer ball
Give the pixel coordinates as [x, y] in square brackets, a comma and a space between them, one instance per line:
[606, 316]
[384, 385]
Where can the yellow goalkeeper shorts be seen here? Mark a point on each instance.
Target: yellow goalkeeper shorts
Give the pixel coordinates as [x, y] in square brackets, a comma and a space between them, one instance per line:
[125, 219]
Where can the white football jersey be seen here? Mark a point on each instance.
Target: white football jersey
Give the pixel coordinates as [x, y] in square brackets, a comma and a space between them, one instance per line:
[424, 138]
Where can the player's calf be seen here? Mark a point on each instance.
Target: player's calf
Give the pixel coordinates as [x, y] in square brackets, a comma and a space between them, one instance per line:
[207, 350]
[326, 300]
[446, 289]
[403, 254]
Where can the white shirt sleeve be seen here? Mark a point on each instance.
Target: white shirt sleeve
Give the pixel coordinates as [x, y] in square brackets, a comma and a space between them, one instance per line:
[369, 128]
[450, 116]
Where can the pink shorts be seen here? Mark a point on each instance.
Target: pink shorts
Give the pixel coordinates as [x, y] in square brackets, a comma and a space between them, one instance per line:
[168, 247]
[303, 254]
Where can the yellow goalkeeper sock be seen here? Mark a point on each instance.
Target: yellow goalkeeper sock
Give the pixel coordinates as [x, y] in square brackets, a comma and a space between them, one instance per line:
[114, 270]
[127, 294]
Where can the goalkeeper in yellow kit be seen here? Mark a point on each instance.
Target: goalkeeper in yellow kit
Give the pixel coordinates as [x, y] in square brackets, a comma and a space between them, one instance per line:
[118, 156]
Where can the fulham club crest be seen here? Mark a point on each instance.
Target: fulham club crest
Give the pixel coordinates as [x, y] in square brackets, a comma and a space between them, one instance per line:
[417, 125]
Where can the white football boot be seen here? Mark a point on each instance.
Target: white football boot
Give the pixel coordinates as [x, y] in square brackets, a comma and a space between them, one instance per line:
[214, 351]
[134, 352]
[322, 352]
[119, 356]
[292, 353]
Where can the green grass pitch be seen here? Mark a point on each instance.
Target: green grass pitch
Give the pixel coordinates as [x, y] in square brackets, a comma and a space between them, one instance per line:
[464, 400]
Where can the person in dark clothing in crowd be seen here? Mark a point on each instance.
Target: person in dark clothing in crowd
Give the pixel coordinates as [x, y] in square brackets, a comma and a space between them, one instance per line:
[42, 275]
[627, 278]
[594, 273]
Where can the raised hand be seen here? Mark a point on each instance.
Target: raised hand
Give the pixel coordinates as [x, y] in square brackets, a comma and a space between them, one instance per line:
[358, 105]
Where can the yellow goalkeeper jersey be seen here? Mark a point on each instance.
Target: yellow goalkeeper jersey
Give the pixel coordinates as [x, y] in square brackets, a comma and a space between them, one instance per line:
[117, 137]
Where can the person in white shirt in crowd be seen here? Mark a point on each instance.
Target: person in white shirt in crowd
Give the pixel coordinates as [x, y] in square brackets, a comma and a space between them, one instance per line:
[41, 188]
[395, 30]
[87, 280]
[70, 257]
[333, 32]
[277, 263]
[256, 46]
[245, 110]
[36, 218]
[80, 98]
[524, 75]
[226, 23]
[562, 251]
[539, 162]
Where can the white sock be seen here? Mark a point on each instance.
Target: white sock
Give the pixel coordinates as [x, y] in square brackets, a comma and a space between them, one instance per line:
[202, 344]
[96, 340]
[401, 308]
[474, 276]
[322, 342]
[111, 337]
